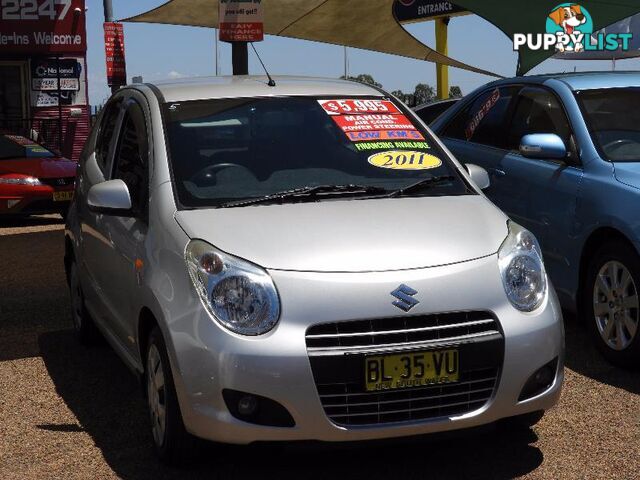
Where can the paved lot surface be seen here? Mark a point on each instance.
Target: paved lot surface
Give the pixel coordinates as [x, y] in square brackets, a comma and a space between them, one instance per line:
[72, 412]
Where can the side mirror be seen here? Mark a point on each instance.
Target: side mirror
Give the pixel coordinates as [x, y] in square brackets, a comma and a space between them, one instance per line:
[546, 146]
[479, 175]
[110, 198]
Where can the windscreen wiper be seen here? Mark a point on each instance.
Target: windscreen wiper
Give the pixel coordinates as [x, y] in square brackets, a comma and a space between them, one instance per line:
[422, 184]
[306, 192]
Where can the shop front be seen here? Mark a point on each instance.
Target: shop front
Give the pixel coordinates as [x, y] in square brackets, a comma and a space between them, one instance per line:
[43, 76]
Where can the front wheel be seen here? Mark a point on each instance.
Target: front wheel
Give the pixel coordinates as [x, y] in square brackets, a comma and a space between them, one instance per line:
[174, 445]
[611, 303]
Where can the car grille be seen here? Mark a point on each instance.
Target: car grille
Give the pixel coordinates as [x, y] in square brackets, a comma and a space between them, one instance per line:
[400, 331]
[337, 353]
[58, 182]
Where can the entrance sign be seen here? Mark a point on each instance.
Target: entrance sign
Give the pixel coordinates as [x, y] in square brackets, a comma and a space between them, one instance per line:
[422, 10]
[114, 54]
[241, 21]
[42, 26]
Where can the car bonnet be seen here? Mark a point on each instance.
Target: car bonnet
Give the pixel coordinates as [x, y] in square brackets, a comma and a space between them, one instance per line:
[354, 235]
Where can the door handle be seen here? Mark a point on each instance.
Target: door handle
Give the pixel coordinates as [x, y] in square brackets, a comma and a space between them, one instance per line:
[497, 172]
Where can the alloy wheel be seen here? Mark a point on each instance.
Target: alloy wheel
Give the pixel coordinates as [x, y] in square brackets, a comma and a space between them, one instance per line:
[156, 396]
[615, 305]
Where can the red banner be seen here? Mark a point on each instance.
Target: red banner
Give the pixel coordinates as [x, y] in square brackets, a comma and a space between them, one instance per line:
[114, 54]
[42, 26]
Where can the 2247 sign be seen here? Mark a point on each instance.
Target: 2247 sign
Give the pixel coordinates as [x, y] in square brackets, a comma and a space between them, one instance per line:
[241, 21]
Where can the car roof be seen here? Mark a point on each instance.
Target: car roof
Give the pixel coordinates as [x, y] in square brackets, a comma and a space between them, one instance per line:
[200, 88]
[581, 80]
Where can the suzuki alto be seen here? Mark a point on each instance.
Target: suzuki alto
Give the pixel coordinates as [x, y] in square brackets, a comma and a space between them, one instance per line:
[303, 261]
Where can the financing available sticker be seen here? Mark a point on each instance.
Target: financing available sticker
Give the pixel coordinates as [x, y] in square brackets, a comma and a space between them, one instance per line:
[570, 28]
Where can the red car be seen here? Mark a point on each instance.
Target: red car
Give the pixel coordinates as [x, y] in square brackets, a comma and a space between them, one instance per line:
[33, 180]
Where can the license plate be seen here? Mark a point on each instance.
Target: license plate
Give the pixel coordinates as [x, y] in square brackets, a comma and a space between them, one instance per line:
[411, 369]
[62, 196]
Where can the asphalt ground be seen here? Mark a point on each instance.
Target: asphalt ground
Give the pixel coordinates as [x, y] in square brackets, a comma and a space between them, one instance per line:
[68, 412]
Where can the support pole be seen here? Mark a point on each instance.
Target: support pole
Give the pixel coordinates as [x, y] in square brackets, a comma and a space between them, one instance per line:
[240, 58]
[442, 71]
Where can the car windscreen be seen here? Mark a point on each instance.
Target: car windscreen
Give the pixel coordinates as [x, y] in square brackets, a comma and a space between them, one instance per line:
[226, 150]
[16, 146]
[613, 118]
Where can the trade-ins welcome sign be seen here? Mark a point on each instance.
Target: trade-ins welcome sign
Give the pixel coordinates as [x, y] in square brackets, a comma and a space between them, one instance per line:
[42, 26]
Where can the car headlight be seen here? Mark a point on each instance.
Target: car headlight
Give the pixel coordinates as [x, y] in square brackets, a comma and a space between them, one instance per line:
[20, 181]
[522, 269]
[239, 295]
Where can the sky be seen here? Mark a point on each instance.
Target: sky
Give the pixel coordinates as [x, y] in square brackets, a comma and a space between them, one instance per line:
[158, 52]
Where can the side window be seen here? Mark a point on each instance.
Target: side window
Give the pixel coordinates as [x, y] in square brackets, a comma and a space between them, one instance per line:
[106, 131]
[538, 111]
[484, 120]
[131, 161]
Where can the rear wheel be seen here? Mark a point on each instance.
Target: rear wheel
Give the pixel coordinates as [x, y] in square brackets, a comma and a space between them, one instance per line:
[85, 329]
[611, 303]
[174, 445]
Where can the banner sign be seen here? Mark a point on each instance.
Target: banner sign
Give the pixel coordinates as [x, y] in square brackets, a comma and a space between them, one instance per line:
[114, 54]
[45, 73]
[42, 26]
[423, 10]
[241, 21]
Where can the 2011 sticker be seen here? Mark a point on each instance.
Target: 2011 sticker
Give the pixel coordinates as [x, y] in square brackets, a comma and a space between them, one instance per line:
[405, 160]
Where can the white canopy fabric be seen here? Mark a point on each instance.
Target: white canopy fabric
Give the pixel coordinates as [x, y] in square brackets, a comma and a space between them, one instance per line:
[366, 24]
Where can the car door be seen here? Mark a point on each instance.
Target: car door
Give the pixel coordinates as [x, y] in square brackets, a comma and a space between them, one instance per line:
[537, 193]
[95, 243]
[127, 234]
[477, 134]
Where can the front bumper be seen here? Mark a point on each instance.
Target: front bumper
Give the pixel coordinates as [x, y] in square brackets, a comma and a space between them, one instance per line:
[206, 358]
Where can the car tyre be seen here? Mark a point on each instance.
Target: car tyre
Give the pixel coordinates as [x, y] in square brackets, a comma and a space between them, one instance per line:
[173, 444]
[611, 303]
[83, 325]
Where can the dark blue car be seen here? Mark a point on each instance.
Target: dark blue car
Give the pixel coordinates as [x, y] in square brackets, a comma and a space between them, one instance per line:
[563, 155]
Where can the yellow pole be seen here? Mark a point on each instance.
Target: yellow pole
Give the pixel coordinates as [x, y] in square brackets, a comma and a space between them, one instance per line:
[442, 71]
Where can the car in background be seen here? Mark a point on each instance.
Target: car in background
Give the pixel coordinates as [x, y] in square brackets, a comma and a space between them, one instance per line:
[33, 179]
[428, 112]
[300, 259]
[563, 153]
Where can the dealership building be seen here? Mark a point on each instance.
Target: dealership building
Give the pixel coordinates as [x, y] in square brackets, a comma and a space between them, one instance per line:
[43, 75]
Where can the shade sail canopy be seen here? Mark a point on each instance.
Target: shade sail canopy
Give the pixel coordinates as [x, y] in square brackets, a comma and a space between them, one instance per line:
[366, 24]
[530, 16]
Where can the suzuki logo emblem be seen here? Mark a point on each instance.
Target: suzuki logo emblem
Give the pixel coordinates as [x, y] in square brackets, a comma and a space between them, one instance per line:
[405, 294]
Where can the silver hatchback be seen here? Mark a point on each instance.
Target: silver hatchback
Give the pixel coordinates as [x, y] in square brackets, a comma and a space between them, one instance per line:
[304, 261]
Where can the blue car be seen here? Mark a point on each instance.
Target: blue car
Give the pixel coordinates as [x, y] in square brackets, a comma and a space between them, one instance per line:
[563, 155]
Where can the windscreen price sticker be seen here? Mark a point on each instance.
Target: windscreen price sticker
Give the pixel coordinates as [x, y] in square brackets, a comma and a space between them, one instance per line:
[355, 106]
[363, 123]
